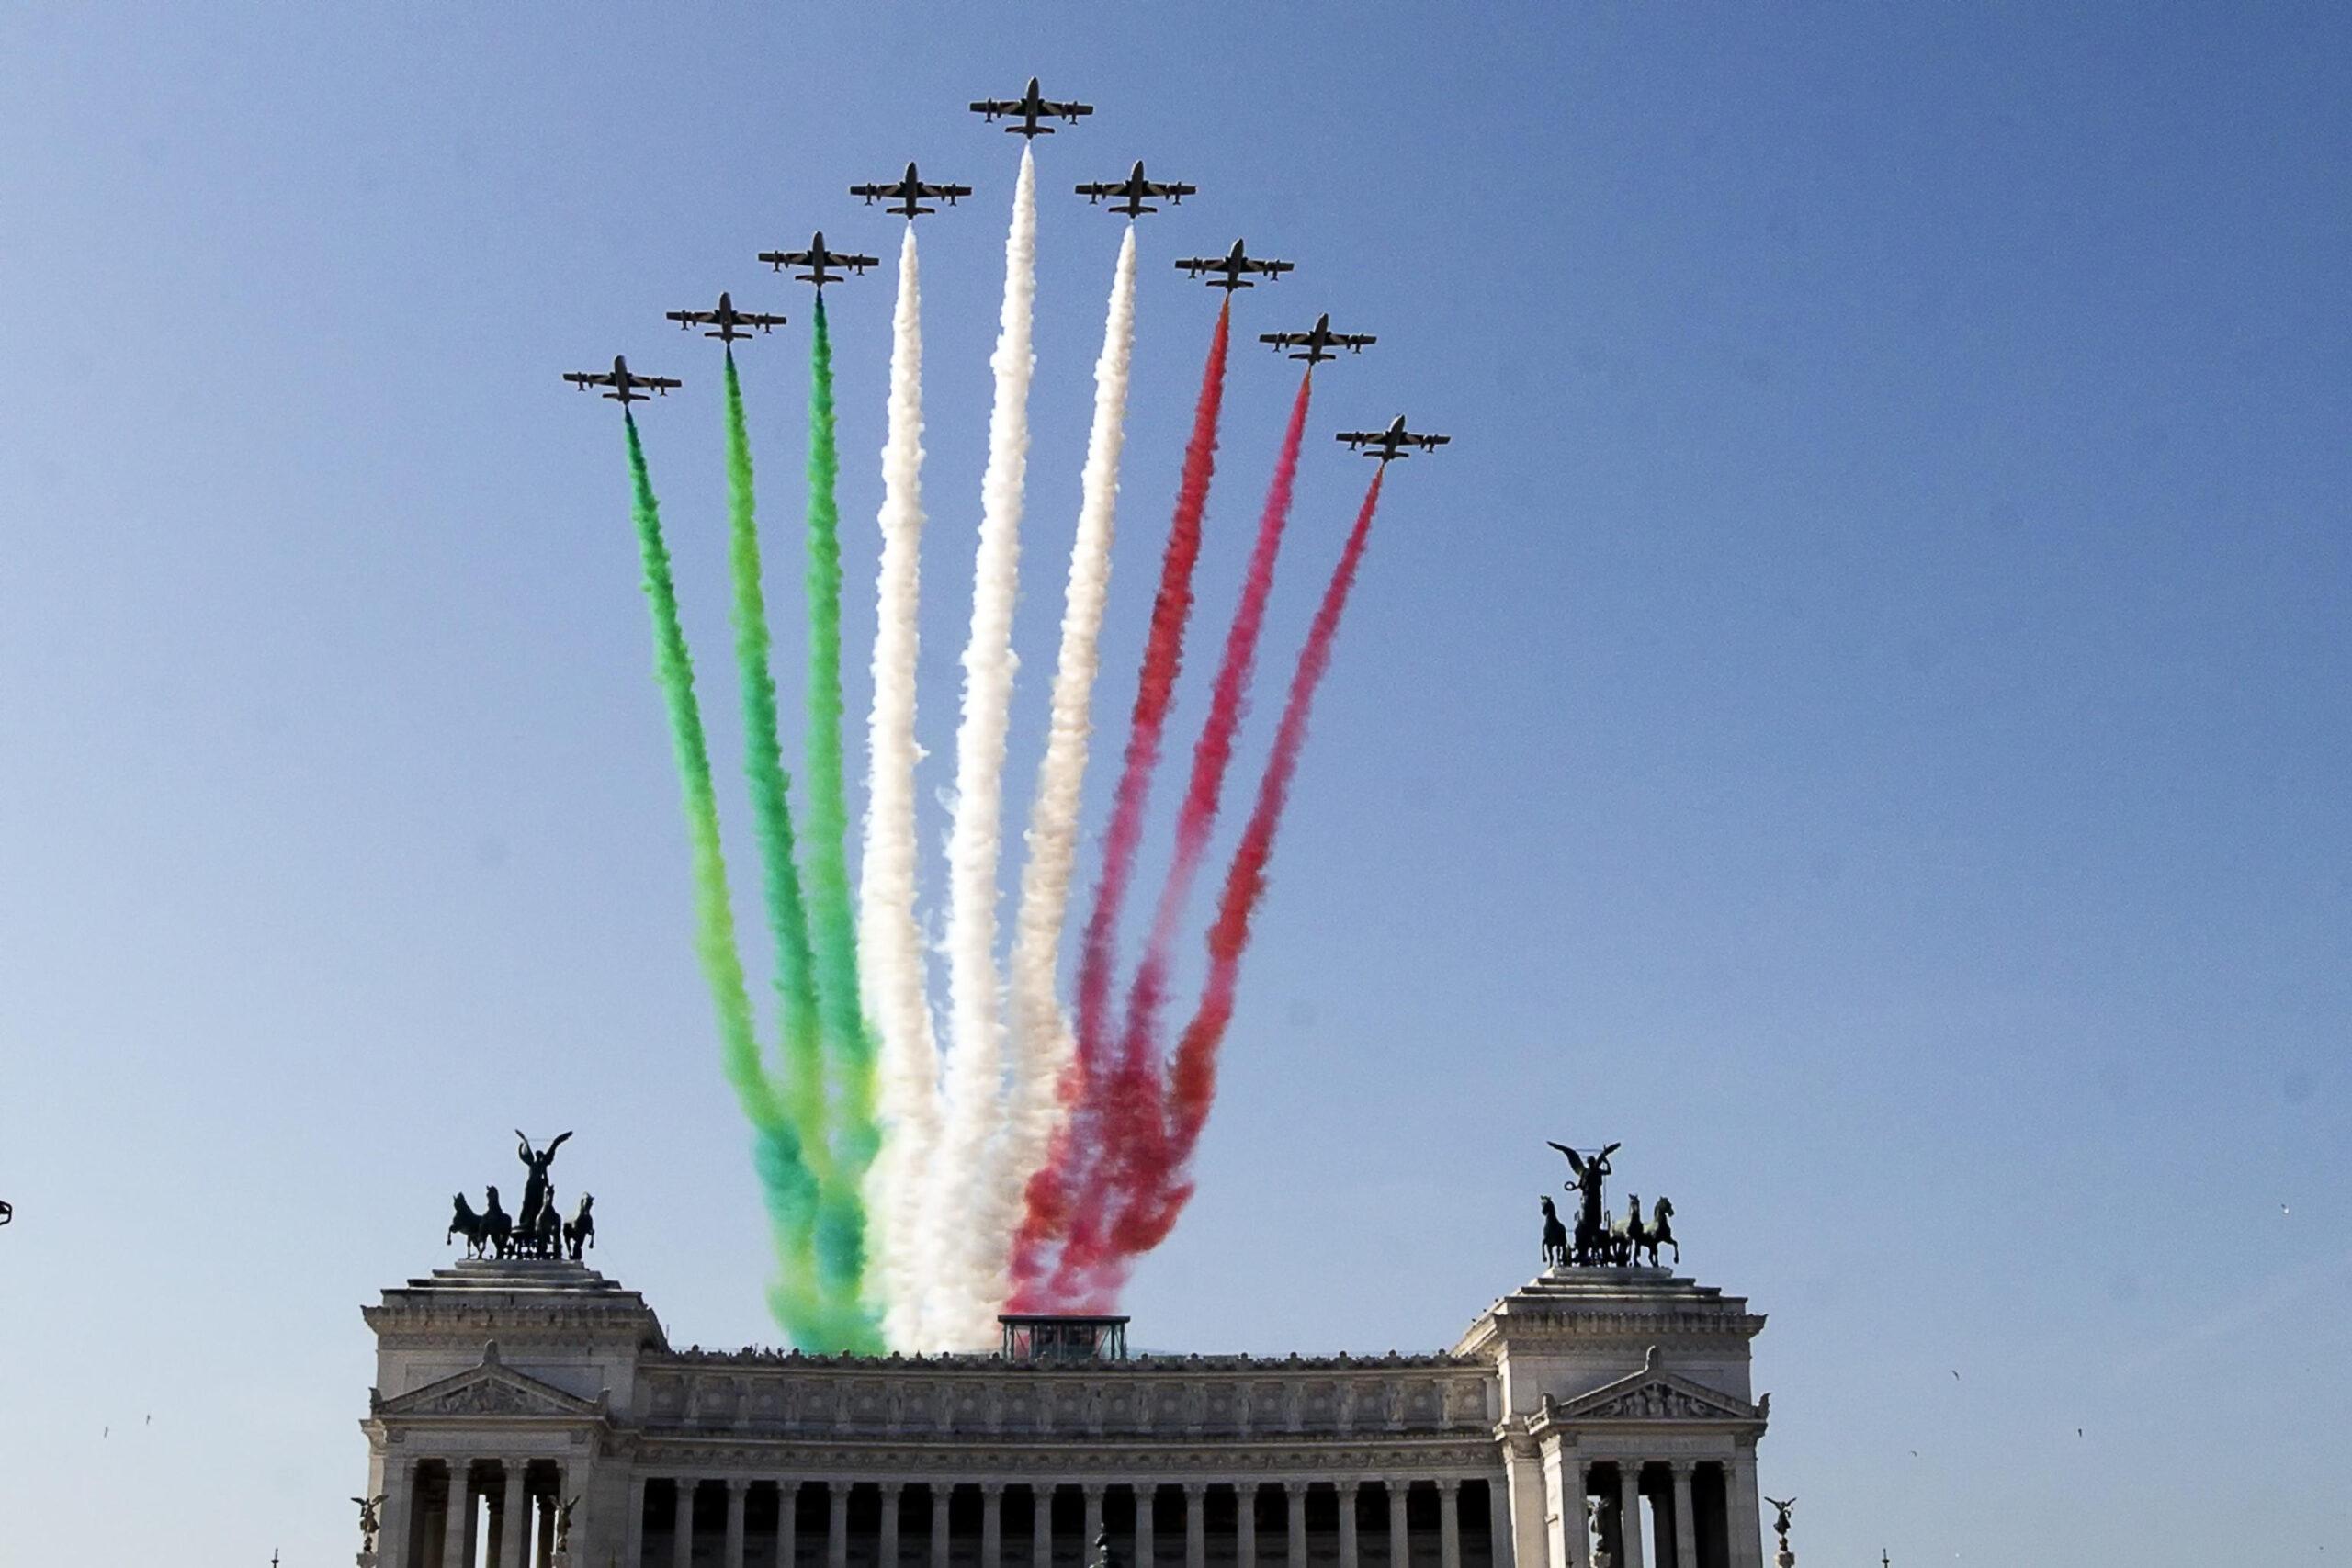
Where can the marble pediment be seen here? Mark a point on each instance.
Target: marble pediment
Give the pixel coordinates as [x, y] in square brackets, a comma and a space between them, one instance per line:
[1651, 1395]
[490, 1389]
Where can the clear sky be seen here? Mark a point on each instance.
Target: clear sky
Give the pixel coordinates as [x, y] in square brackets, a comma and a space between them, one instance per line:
[1858, 714]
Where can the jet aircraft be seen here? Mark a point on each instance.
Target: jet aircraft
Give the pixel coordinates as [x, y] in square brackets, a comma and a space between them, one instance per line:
[1390, 444]
[1319, 341]
[908, 196]
[624, 381]
[1233, 267]
[1131, 191]
[727, 322]
[816, 259]
[1030, 107]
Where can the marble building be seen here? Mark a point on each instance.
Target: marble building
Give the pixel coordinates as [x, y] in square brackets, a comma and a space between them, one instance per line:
[535, 1414]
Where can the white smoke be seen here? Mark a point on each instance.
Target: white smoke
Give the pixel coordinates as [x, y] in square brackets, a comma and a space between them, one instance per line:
[970, 1224]
[1042, 1044]
[890, 948]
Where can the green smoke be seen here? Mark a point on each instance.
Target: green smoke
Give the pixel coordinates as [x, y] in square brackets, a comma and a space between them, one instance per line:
[795, 978]
[836, 1231]
[787, 1181]
[832, 917]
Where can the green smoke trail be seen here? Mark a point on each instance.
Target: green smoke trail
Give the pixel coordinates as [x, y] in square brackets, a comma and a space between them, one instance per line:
[788, 1185]
[796, 978]
[833, 922]
[836, 1234]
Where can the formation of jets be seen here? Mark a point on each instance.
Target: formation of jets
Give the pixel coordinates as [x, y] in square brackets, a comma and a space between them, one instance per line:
[1233, 269]
[1131, 197]
[727, 322]
[1319, 341]
[1389, 444]
[907, 197]
[623, 381]
[1030, 107]
[817, 260]
[1133, 191]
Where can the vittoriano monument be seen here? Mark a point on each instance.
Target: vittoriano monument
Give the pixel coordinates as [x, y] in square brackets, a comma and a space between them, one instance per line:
[1596, 1242]
[539, 1231]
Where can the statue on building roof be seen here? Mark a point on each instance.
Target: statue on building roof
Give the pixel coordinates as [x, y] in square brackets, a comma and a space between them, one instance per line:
[535, 1185]
[1591, 1243]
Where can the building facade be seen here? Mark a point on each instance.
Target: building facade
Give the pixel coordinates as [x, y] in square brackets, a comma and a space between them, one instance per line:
[1593, 1410]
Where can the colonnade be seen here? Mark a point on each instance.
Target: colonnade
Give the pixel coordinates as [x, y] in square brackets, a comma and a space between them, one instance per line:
[433, 1513]
[749, 1521]
[1696, 1513]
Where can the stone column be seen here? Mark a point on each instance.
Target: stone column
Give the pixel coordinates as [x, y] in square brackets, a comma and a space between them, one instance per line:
[738, 1489]
[1245, 1524]
[1196, 1533]
[1041, 1537]
[397, 1480]
[887, 1554]
[633, 1528]
[1294, 1521]
[787, 1524]
[1145, 1493]
[545, 1549]
[457, 1528]
[1094, 1531]
[942, 1493]
[1346, 1524]
[837, 1525]
[991, 1524]
[1502, 1539]
[508, 1553]
[1747, 1521]
[1686, 1528]
[1629, 1514]
[1400, 1553]
[682, 1524]
[1449, 1522]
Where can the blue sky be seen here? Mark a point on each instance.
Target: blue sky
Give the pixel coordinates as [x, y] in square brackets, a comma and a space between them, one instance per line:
[1858, 714]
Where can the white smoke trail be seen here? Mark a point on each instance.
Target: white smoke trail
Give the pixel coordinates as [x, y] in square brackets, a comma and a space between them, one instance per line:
[890, 947]
[961, 1312]
[1042, 1046]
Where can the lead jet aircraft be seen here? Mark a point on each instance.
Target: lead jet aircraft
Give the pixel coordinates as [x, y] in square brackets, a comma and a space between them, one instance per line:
[622, 380]
[913, 193]
[816, 259]
[1319, 341]
[1131, 191]
[727, 321]
[1389, 444]
[1233, 267]
[1030, 108]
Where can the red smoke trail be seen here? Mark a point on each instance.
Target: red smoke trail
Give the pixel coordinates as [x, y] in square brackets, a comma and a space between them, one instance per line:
[1136, 1154]
[1149, 1212]
[1050, 1192]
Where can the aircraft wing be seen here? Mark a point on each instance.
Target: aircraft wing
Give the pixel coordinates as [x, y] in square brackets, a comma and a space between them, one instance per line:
[1430, 442]
[585, 379]
[1271, 269]
[1360, 438]
[1199, 265]
[1065, 111]
[870, 192]
[689, 318]
[998, 106]
[781, 259]
[755, 318]
[1097, 188]
[1285, 340]
[950, 192]
[1354, 340]
[1173, 191]
[658, 383]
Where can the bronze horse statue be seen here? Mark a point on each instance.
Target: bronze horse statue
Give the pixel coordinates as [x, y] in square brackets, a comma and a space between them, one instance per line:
[1556, 1234]
[580, 1231]
[1661, 1233]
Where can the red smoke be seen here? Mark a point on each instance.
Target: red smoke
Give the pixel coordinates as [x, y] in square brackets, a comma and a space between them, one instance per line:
[1149, 1213]
[1067, 1172]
